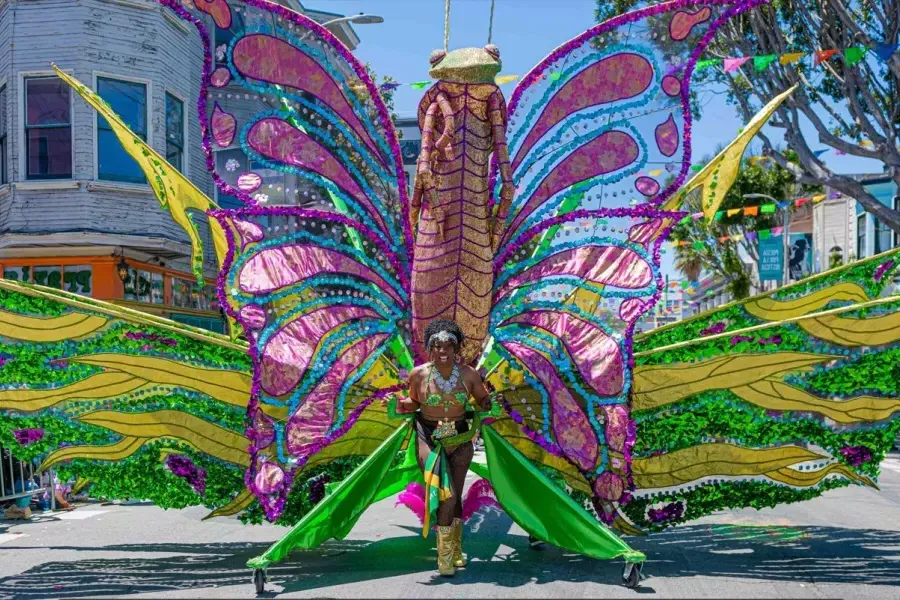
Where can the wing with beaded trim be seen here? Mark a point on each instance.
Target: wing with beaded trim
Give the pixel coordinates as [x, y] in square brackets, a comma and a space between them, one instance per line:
[770, 400]
[137, 405]
[594, 130]
[314, 202]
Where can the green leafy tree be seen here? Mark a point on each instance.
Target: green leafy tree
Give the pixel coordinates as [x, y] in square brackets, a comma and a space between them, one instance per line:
[851, 100]
[717, 247]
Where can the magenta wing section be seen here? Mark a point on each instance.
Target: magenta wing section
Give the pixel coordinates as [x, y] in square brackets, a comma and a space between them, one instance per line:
[314, 203]
[599, 135]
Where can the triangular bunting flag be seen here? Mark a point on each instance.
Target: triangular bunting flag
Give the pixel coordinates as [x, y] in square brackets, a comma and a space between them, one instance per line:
[709, 62]
[733, 211]
[764, 234]
[419, 85]
[767, 209]
[823, 55]
[761, 62]
[503, 79]
[884, 51]
[789, 58]
[751, 211]
[734, 63]
[818, 198]
[854, 55]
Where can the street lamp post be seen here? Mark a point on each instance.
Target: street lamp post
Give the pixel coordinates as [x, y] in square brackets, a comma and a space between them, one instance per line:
[360, 19]
[784, 232]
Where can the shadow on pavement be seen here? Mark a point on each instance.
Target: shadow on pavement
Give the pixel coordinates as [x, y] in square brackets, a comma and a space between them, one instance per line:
[772, 553]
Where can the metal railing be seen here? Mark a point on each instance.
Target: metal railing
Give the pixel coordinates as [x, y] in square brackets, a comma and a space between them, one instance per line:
[19, 479]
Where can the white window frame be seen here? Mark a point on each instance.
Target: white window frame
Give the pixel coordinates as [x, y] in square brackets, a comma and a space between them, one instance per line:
[22, 163]
[95, 75]
[185, 164]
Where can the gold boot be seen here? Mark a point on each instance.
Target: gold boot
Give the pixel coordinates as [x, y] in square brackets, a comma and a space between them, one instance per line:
[445, 547]
[459, 560]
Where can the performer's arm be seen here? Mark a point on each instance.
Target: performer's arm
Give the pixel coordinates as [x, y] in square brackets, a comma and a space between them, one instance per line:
[501, 152]
[411, 404]
[474, 383]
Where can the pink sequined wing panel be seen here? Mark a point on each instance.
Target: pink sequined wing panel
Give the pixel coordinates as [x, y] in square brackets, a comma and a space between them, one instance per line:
[314, 203]
[597, 138]
[291, 118]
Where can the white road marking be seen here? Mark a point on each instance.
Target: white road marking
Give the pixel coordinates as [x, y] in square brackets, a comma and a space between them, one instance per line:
[7, 537]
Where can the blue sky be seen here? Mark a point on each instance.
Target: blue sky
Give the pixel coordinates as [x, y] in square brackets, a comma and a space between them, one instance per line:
[525, 31]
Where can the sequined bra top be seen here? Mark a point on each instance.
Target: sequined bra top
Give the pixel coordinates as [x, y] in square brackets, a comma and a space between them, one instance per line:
[445, 400]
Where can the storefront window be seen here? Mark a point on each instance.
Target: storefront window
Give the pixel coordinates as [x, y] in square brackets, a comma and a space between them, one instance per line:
[156, 288]
[49, 276]
[181, 292]
[77, 279]
[22, 274]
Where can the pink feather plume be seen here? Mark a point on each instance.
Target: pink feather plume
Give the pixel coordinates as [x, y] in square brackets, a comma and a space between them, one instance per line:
[480, 496]
[413, 498]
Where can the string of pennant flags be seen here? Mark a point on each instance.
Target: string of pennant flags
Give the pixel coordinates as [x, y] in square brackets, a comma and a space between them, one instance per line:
[761, 62]
[751, 211]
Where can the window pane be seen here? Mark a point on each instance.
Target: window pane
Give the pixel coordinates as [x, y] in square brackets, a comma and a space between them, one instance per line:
[174, 121]
[47, 102]
[175, 157]
[861, 236]
[897, 233]
[49, 153]
[230, 164]
[128, 284]
[77, 279]
[883, 235]
[115, 164]
[49, 276]
[156, 290]
[129, 101]
[22, 274]
[180, 292]
[175, 131]
[143, 286]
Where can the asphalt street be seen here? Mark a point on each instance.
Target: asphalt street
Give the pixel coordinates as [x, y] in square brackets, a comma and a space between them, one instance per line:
[843, 545]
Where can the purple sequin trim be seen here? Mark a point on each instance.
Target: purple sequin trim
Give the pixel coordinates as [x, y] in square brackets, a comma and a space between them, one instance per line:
[535, 437]
[184, 467]
[669, 512]
[856, 455]
[151, 337]
[26, 437]
[882, 269]
[714, 329]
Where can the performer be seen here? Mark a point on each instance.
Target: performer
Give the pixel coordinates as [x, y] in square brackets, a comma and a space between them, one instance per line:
[440, 390]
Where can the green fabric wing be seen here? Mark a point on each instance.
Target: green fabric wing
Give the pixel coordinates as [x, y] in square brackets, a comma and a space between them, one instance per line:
[338, 512]
[544, 510]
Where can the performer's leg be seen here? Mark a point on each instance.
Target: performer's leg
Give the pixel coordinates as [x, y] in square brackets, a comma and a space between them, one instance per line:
[459, 461]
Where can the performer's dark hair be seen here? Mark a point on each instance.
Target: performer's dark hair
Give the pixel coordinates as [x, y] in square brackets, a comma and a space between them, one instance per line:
[439, 325]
